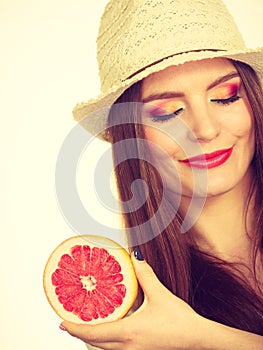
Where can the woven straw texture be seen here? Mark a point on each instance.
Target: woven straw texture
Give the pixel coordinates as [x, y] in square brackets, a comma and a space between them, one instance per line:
[139, 37]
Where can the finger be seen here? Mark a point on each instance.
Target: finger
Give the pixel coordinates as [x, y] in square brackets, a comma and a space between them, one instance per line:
[101, 333]
[106, 346]
[148, 281]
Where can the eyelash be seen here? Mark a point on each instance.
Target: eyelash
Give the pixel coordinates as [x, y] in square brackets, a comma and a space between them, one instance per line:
[164, 118]
[227, 101]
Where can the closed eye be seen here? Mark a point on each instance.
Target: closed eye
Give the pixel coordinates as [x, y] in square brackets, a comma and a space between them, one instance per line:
[165, 117]
[226, 101]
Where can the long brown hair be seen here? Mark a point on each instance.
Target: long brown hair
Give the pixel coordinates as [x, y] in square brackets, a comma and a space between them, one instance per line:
[207, 283]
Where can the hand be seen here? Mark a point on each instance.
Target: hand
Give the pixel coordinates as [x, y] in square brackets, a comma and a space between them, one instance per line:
[164, 321]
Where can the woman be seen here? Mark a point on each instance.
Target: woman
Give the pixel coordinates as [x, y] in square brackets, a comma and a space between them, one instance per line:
[181, 78]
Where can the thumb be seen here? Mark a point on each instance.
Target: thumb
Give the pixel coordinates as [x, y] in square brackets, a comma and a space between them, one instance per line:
[147, 279]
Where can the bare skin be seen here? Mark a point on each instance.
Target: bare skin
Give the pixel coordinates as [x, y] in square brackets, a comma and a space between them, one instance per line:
[222, 227]
[164, 321]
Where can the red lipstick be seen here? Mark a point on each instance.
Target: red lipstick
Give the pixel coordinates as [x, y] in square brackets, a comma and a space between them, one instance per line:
[210, 160]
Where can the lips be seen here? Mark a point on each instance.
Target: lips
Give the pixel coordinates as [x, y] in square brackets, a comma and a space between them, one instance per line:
[210, 160]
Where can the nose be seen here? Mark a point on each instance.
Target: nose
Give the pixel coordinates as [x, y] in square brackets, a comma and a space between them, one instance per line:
[203, 124]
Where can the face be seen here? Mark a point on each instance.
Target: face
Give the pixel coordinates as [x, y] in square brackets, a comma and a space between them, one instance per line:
[199, 115]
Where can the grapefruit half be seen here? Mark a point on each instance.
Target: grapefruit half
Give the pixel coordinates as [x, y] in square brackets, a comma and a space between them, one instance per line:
[90, 279]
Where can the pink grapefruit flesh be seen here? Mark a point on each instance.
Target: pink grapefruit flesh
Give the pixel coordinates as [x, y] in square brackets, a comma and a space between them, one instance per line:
[90, 279]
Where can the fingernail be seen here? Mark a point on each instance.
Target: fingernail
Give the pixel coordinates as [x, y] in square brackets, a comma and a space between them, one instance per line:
[138, 254]
[62, 327]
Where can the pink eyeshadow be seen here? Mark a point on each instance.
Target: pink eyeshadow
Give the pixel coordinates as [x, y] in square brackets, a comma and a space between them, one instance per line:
[226, 90]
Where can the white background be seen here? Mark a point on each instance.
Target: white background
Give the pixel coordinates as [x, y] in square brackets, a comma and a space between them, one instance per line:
[47, 65]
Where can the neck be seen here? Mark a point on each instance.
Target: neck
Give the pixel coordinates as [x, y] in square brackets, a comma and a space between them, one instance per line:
[224, 228]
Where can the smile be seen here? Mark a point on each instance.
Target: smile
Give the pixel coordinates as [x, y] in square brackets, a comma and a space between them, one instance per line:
[208, 161]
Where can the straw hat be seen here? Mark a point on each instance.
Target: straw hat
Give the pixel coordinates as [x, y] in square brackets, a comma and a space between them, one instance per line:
[140, 37]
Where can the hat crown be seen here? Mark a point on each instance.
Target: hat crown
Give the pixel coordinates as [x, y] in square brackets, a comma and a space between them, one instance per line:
[135, 34]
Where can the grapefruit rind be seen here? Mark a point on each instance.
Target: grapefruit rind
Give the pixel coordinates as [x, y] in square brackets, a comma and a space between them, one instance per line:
[116, 251]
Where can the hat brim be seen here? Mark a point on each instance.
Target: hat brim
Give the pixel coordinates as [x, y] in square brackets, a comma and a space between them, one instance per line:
[93, 114]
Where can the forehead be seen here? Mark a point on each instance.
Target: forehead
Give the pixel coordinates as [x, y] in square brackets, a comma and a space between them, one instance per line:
[187, 76]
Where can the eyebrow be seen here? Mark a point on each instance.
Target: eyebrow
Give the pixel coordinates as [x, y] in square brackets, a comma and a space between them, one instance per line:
[167, 95]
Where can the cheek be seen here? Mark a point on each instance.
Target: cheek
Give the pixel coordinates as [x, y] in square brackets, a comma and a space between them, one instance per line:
[162, 140]
[240, 122]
